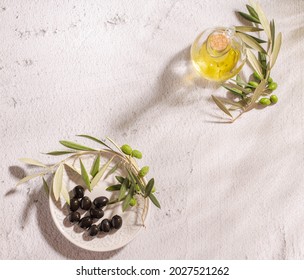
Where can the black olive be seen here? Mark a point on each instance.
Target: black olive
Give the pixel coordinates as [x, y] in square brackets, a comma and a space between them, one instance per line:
[105, 225]
[116, 222]
[74, 204]
[96, 213]
[78, 192]
[74, 217]
[85, 203]
[100, 202]
[85, 222]
[93, 230]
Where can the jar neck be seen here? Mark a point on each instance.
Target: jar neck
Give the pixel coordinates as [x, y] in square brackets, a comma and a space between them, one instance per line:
[219, 42]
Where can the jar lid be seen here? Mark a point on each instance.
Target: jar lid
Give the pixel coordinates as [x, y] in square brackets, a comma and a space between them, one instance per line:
[218, 41]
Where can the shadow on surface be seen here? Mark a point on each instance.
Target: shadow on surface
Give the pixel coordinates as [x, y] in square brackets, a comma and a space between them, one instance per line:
[177, 87]
[17, 171]
[39, 199]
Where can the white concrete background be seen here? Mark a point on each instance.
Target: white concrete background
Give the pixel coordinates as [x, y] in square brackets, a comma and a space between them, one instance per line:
[119, 68]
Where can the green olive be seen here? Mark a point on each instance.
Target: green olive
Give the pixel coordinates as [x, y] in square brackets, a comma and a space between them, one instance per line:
[265, 101]
[126, 149]
[153, 190]
[272, 86]
[136, 154]
[273, 99]
[257, 76]
[144, 171]
[133, 201]
[253, 84]
[137, 189]
[270, 80]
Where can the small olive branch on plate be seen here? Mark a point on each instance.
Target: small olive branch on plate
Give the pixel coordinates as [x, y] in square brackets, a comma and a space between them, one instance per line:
[260, 87]
[128, 187]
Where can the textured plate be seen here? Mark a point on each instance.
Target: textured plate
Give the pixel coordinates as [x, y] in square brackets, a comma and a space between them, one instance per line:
[133, 218]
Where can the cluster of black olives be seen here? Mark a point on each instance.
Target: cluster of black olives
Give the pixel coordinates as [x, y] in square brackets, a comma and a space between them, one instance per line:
[95, 212]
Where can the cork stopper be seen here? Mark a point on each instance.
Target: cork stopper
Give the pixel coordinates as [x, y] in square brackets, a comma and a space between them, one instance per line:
[218, 42]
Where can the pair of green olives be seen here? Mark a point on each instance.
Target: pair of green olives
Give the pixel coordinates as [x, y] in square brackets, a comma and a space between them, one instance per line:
[267, 101]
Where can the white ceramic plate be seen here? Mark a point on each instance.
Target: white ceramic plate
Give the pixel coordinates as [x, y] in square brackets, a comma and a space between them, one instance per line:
[133, 219]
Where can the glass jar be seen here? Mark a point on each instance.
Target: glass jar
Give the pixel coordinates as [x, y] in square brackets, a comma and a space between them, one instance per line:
[218, 54]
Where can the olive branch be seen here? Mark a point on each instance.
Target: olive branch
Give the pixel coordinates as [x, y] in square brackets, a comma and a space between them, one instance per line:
[127, 187]
[260, 87]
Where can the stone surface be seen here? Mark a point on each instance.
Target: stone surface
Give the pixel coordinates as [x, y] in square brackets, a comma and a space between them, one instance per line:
[121, 69]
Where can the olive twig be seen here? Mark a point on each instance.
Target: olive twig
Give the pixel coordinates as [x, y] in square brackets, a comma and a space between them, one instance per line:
[246, 95]
[126, 155]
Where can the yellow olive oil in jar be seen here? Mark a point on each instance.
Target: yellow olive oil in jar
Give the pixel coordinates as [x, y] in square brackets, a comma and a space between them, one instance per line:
[217, 54]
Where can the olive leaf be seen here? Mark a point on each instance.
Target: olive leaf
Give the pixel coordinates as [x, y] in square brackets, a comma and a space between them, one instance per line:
[154, 200]
[119, 179]
[100, 173]
[128, 198]
[116, 145]
[232, 103]
[32, 162]
[149, 187]
[263, 19]
[123, 189]
[131, 176]
[112, 170]
[221, 106]
[64, 192]
[242, 84]
[258, 40]
[272, 31]
[249, 17]
[138, 182]
[236, 89]
[114, 188]
[95, 166]
[254, 62]
[257, 93]
[75, 146]
[249, 41]
[72, 168]
[57, 181]
[85, 176]
[234, 107]
[252, 11]
[262, 60]
[45, 186]
[59, 153]
[276, 50]
[29, 177]
[239, 81]
[94, 139]
[247, 29]
[126, 203]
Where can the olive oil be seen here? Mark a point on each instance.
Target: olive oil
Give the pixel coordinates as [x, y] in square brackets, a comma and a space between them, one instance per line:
[219, 57]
